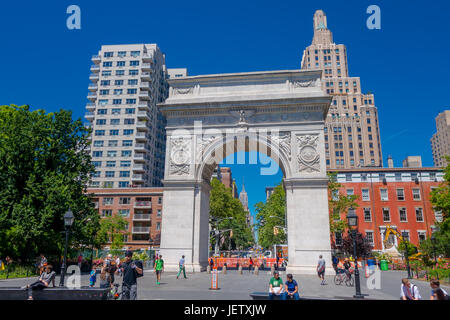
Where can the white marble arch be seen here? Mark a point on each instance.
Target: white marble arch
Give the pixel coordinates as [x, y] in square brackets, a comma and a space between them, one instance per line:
[279, 113]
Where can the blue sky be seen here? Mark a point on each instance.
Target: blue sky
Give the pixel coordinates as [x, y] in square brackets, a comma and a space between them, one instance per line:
[405, 64]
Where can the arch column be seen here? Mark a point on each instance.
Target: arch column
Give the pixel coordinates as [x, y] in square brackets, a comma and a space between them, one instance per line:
[308, 224]
[185, 224]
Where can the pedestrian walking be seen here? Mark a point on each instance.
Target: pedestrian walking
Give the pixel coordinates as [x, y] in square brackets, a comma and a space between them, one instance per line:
[105, 277]
[321, 269]
[93, 276]
[291, 289]
[159, 268]
[250, 264]
[275, 286]
[130, 272]
[437, 293]
[409, 291]
[182, 267]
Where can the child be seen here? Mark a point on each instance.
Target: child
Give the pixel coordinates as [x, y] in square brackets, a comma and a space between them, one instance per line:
[93, 277]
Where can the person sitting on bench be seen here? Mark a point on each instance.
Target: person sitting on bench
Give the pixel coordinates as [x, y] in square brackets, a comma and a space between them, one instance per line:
[44, 281]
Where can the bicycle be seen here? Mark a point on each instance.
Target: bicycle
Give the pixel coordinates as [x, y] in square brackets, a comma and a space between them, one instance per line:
[341, 276]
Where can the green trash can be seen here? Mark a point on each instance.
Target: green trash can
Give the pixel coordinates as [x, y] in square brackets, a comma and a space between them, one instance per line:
[384, 265]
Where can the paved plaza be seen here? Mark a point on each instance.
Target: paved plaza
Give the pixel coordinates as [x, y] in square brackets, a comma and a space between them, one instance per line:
[234, 286]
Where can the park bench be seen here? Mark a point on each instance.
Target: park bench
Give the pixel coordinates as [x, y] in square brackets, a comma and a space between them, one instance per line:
[56, 293]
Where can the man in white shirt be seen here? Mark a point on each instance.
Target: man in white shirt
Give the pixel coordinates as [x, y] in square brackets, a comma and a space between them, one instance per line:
[409, 291]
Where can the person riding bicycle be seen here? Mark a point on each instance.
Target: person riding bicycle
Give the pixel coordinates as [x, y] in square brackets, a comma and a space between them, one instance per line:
[347, 267]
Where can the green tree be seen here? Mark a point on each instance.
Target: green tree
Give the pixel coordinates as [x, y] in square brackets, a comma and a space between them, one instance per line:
[440, 199]
[222, 206]
[338, 204]
[271, 215]
[112, 230]
[44, 168]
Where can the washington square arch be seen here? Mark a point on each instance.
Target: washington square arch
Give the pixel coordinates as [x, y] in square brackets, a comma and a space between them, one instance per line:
[209, 117]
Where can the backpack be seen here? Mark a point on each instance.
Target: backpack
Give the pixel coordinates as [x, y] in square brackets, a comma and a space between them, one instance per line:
[140, 265]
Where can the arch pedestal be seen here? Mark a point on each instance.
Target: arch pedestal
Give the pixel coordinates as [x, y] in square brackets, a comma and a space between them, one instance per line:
[279, 113]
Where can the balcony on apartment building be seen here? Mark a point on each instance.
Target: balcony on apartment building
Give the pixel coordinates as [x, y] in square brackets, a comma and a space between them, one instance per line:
[141, 136]
[147, 57]
[141, 125]
[140, 230]
[140, 147]
[139, 167]
[90, 106]
[141, 217]
[146, 66]
[95, 68]
[92, 95]
[143, 204]
[143, 106]
[145, 75]
[89, 115]
[137, 177]
[144, 95]
[96, 59]
[139, 157]
[94, 77]
[143, 115]
[145, 85]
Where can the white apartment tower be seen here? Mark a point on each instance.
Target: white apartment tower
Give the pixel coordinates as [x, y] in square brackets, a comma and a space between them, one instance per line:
[440, 141]
[352, 137]
[128, 138]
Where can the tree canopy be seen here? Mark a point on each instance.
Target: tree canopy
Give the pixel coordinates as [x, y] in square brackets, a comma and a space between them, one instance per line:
[223, 205]
[271, 216]
[44, 168]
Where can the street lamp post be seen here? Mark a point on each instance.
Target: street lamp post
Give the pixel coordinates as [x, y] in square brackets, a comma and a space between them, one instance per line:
[433, 241]
[407, 255]
[217, 233]
[352, 220]
[68, 221]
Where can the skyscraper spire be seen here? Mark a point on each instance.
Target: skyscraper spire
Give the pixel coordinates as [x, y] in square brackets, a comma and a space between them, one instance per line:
[321, 33]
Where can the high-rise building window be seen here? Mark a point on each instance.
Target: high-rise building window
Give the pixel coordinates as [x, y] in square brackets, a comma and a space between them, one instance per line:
[113, 132]
[125, 163]
[127, 143]
[133, 72]
[107, 64]
[115, 111]
[127, 132]
[112, 143]
[97, 154]
[124, 174]
[416, 194]
[121, 63]
[122, 54]
[110, 164]
[109, 174]
[114, 122]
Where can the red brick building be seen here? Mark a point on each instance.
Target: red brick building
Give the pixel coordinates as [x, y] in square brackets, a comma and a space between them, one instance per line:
[399, 197]
[141, 207]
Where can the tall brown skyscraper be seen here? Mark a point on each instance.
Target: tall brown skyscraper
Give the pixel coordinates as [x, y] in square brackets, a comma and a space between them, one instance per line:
[352, 135]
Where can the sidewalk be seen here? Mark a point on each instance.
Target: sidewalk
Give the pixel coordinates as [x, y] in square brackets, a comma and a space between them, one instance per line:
[234, 286]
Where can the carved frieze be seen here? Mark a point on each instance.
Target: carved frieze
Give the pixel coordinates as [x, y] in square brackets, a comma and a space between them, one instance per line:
[282, 141]
[180, 156]
[307, 153]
